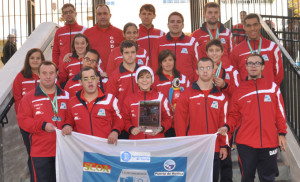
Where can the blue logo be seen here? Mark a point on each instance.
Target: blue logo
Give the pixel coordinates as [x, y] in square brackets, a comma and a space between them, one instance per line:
[126, 156]
[140, 62]
[169, 165]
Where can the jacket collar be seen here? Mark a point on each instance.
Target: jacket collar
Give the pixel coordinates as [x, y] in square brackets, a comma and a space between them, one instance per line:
[195, 86]
[72, 25]
[221, 27]
[122, 69]
[39, 92]
[142, 27]
[169, 37]
[78, 95]
[256, 79]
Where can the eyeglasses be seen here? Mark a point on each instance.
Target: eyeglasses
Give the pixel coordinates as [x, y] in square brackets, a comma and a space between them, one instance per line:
[205, 68]
[68, 12]
[92, 78]
[256, 64]
[90, 60]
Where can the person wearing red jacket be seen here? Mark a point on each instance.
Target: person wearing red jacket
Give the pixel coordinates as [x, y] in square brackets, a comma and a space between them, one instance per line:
[238, 29]
[183, 46]
[103, 36]
[147, 33]
[145, 78]
[201, 109]
[90, 59]
[64, 35]
[257, 111]
[130, 32]
[40, 112]
[255, 43]
[102, 110]
[213, 29]
[80, 45]
[24, 82]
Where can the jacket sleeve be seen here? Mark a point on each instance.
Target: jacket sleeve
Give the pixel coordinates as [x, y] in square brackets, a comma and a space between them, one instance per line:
[17, 91]
[112, 86]
[280, 114]
[278, 66]
[118, 123]
[69, 119]
[111, 65]
[26, 118]
[126, 110]
[63, 74]
[222, 121]
[181, 115]
[154, 56]
[234, 115]
[55, 49]
[166, 114]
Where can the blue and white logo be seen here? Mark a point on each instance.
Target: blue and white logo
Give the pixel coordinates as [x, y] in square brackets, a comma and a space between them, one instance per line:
[223, 41]
[125, 156]
[101, 112]
[227, 76]
[169, 165]
[140, 62]
[184, 50]
[267, 98]
[265, 57]
[215, 105]
[63, 105]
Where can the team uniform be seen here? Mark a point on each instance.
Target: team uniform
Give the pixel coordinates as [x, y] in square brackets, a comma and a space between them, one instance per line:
[116, 58]
[36, 112]
[73, 85]
[271, 54]
[198, 113]
[225, 36]
[70, 69]
[257, 112]
[185, 50]
[131, 112]
[104, 41]
[63, 41]
[148, 36]
[239, 32]
[97, 118]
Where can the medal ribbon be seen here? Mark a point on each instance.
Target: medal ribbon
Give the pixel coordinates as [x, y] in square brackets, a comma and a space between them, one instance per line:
[219, 70]
[259, 46]
[210, 34]
[53, 102]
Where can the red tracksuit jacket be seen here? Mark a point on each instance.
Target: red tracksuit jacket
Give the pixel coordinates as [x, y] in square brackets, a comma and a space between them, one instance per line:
[73, 86]
[116, 58]
[197, 114]
[273, 70]
[225, 37]
[148, 37]
[63, 41]
[131, 112]
[70, 69]
[241, 35]
[257, 112]
[122, 83]
[104, 117]
[22, 86]
[104, 41]
[185, 50]
[35, 111]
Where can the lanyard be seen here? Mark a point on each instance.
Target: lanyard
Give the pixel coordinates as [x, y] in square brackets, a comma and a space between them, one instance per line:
[53, 102]
[211, 36]
[219, 70]
[259, 46]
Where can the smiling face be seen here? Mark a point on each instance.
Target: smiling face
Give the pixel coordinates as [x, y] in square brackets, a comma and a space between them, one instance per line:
[47, 74]
[90, 59]
[35, 60]
[89, 81]
[168, 65]
[215, 53]
[80, 45]
[131, 33]
[254, 67]
[252, 28]
[144, 81]
[175, 25]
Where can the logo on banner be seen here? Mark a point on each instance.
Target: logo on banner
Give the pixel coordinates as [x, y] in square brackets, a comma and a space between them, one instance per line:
[169, 165]
[184, 50]
[101, 112]
[63, 105]
[98, 168]
[140, 62]
[214, 105]
[265, 57]
[135, 156]
[223, 41]
[267, 98]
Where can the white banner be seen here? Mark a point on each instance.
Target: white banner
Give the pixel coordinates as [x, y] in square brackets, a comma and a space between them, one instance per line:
[84, 158]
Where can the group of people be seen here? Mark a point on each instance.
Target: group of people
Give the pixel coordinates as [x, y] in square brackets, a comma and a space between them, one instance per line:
[204, 82]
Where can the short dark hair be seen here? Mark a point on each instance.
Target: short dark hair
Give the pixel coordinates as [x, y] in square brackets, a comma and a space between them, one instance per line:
[129, 24]
[94, 52]
[67, 5]
[143, 72]
[102, 5]
[215, 42]
[205, 59]
[47, 63]
[250, 16]
[256, 55]
[175, 13]
[163, 55]
[73, 42]
[128, 44]
[148, 7]
[26, 71]
[211, 5]
[87, 69]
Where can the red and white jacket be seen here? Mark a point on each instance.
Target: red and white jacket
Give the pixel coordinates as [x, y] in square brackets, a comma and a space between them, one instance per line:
[35, 111]
[104, 117]
[63, 41]
[104, 41]
[116, 58]
[22, 86]
[270, 52]
[225, 36]
[239, 32]
[131, 112]
[196, 114]
[122, 83]
[70, 69]
[148, 37]
[257, 113]
[185, 50]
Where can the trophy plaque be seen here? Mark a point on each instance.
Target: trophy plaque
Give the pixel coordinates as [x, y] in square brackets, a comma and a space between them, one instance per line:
[149, 116]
